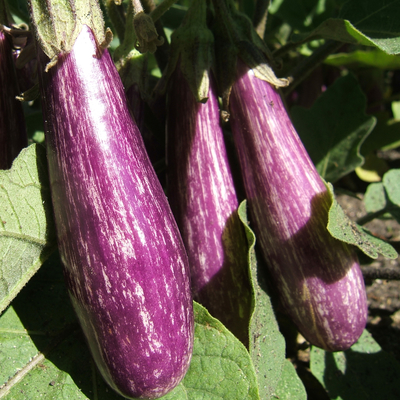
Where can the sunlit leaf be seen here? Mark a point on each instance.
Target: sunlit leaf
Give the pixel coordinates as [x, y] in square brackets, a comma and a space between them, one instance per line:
[363, 372]
[43, 352]
[361, 58]
[363, 22]
[346, 230]
[267, 345]
[290, 386]
[221, 367]
[27, 234]
[375, 197]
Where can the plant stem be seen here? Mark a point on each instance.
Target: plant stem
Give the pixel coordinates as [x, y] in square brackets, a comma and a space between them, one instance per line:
[371, 216]
[162, 53]
[386, 273]
[116, 15]
[260, 16]
[288, 47]
[304, 69]
[161, 9]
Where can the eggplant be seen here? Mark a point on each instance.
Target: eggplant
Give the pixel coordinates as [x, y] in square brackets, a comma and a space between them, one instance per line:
[125, 264]
[13, 137]
[318, 278]
[203, 199]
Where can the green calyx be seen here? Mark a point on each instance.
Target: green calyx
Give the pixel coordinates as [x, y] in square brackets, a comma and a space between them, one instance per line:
[146, 33]
[192, 48]
[234, 36]
[57, 24]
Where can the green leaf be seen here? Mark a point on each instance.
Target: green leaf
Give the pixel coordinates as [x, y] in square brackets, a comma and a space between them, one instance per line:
[363, 22]
[267, 345]
[375, 197]
[373, 168]
[43, 352]
[334, 128]
[361, 58]
[290, 386]
[27, 234]
[383, 198]
[391, 181]
[377, 20]
[221, 367]
[361, 373]
[342, 228]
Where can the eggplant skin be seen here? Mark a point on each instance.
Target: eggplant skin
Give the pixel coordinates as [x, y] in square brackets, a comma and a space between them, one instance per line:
[203, 199]
[13, 136]
[125, 265]
[318, 278]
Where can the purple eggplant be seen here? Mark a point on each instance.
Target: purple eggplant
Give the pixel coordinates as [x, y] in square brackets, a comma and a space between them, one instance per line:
[13, 136]
[125, 264]
[318, 277]
[203, 199]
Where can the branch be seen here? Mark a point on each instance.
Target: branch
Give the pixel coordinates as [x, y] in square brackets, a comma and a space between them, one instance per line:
[387, 273]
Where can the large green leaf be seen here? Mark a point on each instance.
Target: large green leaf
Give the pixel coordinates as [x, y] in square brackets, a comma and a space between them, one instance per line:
[334, 128]
[362, 58]
[290, 387]
[364, 22]
[377, 20]
[363, 372]
[43, 353]
[375, 198]
[391, 181]
[346, 230]
[383, 198]
[267, 345]
[221, 367]
[27, 234]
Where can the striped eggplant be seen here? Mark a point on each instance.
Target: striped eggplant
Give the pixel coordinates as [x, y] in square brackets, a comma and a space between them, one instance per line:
[125, 264]
[203, 199]
[13, 136]
[318, 277]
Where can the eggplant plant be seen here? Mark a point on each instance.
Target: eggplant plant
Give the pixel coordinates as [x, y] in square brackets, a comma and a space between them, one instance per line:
[99, 261]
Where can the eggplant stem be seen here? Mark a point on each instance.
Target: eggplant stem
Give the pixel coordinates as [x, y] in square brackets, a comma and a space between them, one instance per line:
[162, 53]
[371, 216]
[161, 9]
[260, 16]
[386, 273]
[116, 15]
[309, 64]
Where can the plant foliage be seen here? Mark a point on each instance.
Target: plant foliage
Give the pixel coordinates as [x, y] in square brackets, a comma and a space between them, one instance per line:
[344, 106]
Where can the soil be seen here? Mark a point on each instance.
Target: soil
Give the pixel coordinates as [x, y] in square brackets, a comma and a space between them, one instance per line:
[383, 294]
